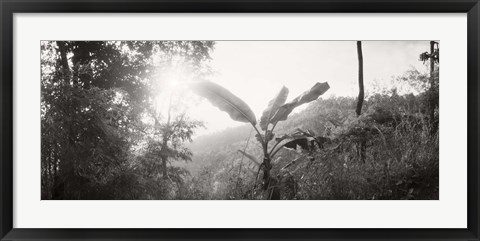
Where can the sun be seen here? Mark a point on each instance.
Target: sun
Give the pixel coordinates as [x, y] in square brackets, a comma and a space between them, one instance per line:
[172, 81]
[174, 76]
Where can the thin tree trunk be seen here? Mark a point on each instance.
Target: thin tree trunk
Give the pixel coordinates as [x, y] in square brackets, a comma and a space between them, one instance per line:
[361, 96]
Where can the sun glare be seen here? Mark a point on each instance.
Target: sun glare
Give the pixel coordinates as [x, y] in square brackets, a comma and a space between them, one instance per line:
[171, 82]
[176, 75]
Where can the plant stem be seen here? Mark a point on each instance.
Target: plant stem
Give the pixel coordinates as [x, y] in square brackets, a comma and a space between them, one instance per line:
[266, 142]
[271, 131]
[265, 152]
[274, 125]
[271, 151]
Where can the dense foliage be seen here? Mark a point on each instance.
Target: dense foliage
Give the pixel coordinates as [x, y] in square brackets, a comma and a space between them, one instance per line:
[97, 100]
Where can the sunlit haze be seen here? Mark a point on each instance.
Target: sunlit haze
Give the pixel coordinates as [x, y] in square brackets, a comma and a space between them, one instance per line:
[256, 70]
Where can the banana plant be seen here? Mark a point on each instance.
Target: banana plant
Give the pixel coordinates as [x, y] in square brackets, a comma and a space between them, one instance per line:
[276, 111]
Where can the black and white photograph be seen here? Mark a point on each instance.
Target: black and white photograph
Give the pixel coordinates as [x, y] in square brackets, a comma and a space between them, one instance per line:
[240, 120]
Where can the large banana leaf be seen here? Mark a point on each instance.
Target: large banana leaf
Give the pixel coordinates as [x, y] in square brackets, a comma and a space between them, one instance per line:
[225, 101]
[306, 97]
[272, 108]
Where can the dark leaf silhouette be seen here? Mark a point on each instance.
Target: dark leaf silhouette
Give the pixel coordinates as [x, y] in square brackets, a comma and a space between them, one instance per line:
[304, 143]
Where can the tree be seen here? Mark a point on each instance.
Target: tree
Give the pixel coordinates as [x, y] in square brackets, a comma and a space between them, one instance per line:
[361, 97]
[169, 138]
[434, 57]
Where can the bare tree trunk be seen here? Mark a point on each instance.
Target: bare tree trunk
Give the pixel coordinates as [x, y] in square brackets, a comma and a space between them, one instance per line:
[361, 96]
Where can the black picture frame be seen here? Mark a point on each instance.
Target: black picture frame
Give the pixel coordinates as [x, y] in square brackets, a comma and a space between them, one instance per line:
[9, 7]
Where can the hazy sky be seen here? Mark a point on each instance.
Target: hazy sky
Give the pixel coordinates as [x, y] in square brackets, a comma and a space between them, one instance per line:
[256, 70]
